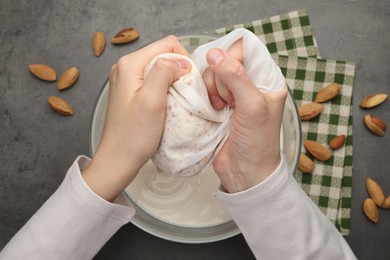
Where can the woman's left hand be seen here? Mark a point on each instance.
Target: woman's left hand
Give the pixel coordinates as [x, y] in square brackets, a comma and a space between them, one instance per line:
[135, 116]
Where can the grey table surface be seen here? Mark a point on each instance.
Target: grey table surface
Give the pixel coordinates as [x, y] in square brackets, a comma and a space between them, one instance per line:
[37, 146]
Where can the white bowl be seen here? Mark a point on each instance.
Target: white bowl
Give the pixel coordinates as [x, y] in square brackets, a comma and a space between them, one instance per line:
[185, 209]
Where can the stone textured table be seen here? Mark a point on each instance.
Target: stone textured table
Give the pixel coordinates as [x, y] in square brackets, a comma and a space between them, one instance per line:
[37, 145]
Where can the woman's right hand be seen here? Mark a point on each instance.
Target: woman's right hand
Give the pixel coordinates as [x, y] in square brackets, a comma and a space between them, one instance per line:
[252, 151]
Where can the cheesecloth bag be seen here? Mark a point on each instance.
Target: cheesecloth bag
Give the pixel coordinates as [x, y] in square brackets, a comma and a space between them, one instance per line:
[194, 131]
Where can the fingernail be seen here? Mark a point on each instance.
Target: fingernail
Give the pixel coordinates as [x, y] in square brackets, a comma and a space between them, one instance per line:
[217, 102]
[183, 64]
[216, 56]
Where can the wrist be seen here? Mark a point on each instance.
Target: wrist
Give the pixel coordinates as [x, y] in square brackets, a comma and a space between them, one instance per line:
[108, 175]
[241, 175]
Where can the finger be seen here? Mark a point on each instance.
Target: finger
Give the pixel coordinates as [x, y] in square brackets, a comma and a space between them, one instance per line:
[215, 87]
[233, 74]
[214, 97]
[224, 92]
[140, 58]
[130, 68]
[162, 75]
[236, 50]
[168, 44]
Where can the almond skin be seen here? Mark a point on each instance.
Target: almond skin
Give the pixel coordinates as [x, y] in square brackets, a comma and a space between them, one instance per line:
[329, 92]
[309, 111]
[375, 191]
[375, 125]
[60, 106]
[43, 72]
[337, 142]
[377, 121]
[316, 149]
[99, 43]
[386, 204]
[371, 210]
[373, 100]
[125, 36]
[68, 78]
[305, 164]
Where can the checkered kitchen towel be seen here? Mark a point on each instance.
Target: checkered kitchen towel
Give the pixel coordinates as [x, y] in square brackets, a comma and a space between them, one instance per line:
[290, 39]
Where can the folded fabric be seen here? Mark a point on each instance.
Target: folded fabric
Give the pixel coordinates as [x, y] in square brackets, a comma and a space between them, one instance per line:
[194, 131]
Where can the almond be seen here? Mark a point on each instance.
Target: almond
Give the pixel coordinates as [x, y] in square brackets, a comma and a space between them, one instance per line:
[309, 111]
[370, 210]
[68, 78]
[99, 43]
[337, 142]
[375, 191]
[125, 36]
[373, 100]
[329, 92]
[60, 106]
[316, 149]
[305, 164]
[43, 72]
[386, 204]
[375, 125]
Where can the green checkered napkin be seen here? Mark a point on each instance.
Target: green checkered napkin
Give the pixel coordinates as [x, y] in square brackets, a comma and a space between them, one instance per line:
[330, 184]
[287, 34]
[290, 39]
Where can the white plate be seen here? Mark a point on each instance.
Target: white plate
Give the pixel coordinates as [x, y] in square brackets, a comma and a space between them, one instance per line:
[185, 209]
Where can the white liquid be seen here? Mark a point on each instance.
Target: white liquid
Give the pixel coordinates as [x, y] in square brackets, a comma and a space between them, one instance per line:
[181, 201]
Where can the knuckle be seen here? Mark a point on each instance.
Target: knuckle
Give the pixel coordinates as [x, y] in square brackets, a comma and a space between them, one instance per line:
[123, 64]
[172, 39]
[165, 67]
[122, 61]
[112, 70]
[236, 69]
[152, 106]
[163, 64]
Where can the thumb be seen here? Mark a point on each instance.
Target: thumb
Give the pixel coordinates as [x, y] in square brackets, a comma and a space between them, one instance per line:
[162, 75]
[232, 73]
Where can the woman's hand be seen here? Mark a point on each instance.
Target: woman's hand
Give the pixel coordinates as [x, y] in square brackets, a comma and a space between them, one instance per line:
[135, 116]
[252, 151]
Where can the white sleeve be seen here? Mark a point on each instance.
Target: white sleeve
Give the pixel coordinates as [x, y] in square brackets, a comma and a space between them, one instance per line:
[74, 223]
[279, 221]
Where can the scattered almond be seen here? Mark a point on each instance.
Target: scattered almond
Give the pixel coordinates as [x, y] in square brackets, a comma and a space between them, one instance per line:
[68, 78]
[125, 36]
[309, 111]
[375, 191]
[99, 43]
[60, 106]
[373, 100]
[337, 142]
[386, 204]
[305, 164]
[43, 72]
[316, 149]
[375, 125]
[370, 210]
[328, 93]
